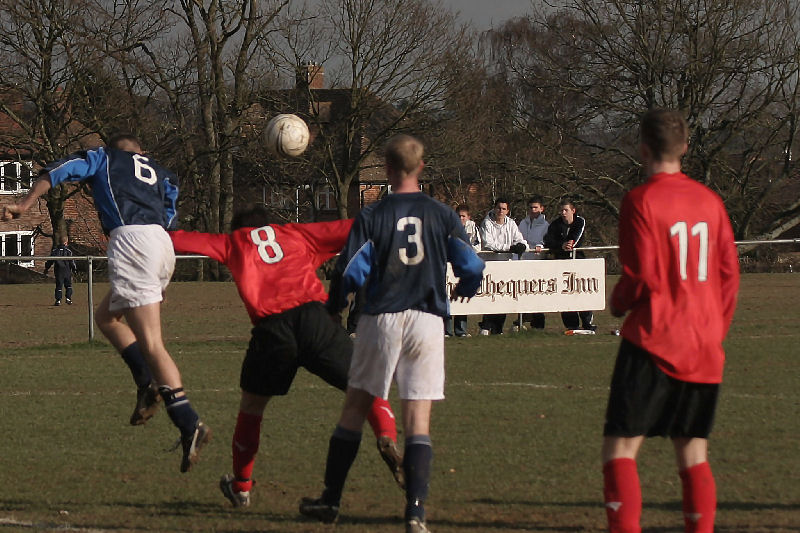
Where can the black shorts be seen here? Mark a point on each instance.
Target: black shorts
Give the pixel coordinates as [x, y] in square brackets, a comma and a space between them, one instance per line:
[303, 336]
[646, 401]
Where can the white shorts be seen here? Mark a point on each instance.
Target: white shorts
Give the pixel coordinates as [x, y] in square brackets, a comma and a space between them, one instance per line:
[408, 346]
[140, 264]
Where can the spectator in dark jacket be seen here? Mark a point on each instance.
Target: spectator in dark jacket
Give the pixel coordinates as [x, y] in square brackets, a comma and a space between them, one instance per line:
[64, 268]
[564, 236]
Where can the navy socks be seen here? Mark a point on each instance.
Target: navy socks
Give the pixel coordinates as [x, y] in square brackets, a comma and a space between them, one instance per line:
[417, 459]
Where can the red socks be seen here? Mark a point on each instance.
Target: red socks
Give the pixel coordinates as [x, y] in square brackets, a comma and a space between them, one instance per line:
[381, 418]
[623, 496]
[246, 437]
[699, 498]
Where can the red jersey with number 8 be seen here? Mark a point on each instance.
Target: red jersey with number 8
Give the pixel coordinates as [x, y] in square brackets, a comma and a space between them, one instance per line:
[274, 266]
[680, 275]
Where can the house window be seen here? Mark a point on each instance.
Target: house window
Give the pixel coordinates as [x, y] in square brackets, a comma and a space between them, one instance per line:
[15, 176]
[18, 243]
[326, 200]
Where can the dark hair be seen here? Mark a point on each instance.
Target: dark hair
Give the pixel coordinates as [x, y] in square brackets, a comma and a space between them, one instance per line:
[536, 199]
[665, 132]
[567, 201]
[462, 207]
[254, 216]
[501, 200]
[123, 138]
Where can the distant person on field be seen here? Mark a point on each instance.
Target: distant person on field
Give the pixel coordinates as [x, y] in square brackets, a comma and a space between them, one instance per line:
[137, 200]
[460, 321]
[534, 228]
[401, 245]
[63, 270]
[275, 269]
[499, 233]
[680, 277]
[564, 235]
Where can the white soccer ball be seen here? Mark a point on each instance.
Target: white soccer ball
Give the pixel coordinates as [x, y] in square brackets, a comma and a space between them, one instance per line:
[287, 135]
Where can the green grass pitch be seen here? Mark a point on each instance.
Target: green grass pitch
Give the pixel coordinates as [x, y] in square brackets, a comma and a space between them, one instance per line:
[516, 442]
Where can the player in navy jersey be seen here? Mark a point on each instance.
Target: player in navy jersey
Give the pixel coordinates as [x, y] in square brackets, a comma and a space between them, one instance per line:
[274, 266]
[136, 199]
[401, 245]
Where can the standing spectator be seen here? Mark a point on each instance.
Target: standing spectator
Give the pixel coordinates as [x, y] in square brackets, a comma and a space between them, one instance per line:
[137, 200]
[563, 236]
[534, 228]
[274, 267]
[680, 278]
[460, 321]
[499, 233]
[63, 270]
[405, 241]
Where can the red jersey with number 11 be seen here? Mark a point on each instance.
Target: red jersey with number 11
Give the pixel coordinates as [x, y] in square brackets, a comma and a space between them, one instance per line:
[680, 275]
[274, 266]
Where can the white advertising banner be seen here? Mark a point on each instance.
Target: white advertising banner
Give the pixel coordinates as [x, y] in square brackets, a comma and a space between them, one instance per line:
[536, 286]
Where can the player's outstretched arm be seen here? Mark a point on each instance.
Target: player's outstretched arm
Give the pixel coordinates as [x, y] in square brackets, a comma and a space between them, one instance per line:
[40, 187]
[467, 266]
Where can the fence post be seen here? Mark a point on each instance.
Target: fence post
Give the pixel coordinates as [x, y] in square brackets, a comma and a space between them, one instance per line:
[89, 290]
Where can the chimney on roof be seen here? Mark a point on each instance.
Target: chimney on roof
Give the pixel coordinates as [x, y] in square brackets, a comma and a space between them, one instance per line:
[310, 75]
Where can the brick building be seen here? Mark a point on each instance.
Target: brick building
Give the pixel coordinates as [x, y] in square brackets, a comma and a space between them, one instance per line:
[32, 233]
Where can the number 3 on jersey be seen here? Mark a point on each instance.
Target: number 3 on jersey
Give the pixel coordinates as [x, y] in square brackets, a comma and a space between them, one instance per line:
[414, 238]
[700, 230]
[275, 252]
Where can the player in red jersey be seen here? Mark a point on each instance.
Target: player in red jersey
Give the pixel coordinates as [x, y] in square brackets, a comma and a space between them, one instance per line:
[274, 267]
[680, 277]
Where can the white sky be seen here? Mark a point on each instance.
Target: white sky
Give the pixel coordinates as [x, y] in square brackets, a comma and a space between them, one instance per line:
[487, 13]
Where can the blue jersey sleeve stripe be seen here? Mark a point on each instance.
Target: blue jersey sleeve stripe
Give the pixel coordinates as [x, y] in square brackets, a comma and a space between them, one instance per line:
[358, 268]
[76, 167]
[171, 197]
[111, 194]
[467, 266]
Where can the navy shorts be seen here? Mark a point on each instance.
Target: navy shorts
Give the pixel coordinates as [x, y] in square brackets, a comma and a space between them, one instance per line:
[303, 336]
[646, 401]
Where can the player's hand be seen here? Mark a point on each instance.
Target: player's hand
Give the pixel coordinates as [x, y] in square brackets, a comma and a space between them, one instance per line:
[10, 212]
[454, 297]
[568, 245]
[538, 248]
[615, 312]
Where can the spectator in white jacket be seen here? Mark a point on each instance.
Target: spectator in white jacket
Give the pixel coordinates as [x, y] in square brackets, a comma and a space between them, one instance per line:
[533, 228]
[499, 233]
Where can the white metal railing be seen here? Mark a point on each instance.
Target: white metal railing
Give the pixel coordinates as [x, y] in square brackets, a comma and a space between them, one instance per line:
[91, 258]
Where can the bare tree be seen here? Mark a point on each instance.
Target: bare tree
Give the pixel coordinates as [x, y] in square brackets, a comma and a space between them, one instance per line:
[205, 73]
[42, 50]
[583, 71]
[389, 59]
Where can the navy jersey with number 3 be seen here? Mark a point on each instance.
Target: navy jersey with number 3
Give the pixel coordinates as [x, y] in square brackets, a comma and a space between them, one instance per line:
[400, 247]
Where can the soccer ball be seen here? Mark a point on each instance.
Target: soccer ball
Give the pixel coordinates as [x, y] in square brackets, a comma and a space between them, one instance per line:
[287, 135]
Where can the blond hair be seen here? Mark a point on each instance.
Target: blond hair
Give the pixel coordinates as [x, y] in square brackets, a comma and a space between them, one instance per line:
[404, 154]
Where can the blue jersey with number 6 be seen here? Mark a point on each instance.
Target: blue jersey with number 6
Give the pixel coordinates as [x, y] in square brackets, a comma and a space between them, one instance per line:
[128, 188]
[400, 247]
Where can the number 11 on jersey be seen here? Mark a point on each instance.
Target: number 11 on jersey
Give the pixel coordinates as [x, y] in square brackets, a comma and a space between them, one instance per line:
[700, 230]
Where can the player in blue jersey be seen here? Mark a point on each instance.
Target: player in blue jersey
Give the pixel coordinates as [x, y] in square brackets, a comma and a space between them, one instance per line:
[401, 245]
[137, 200]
